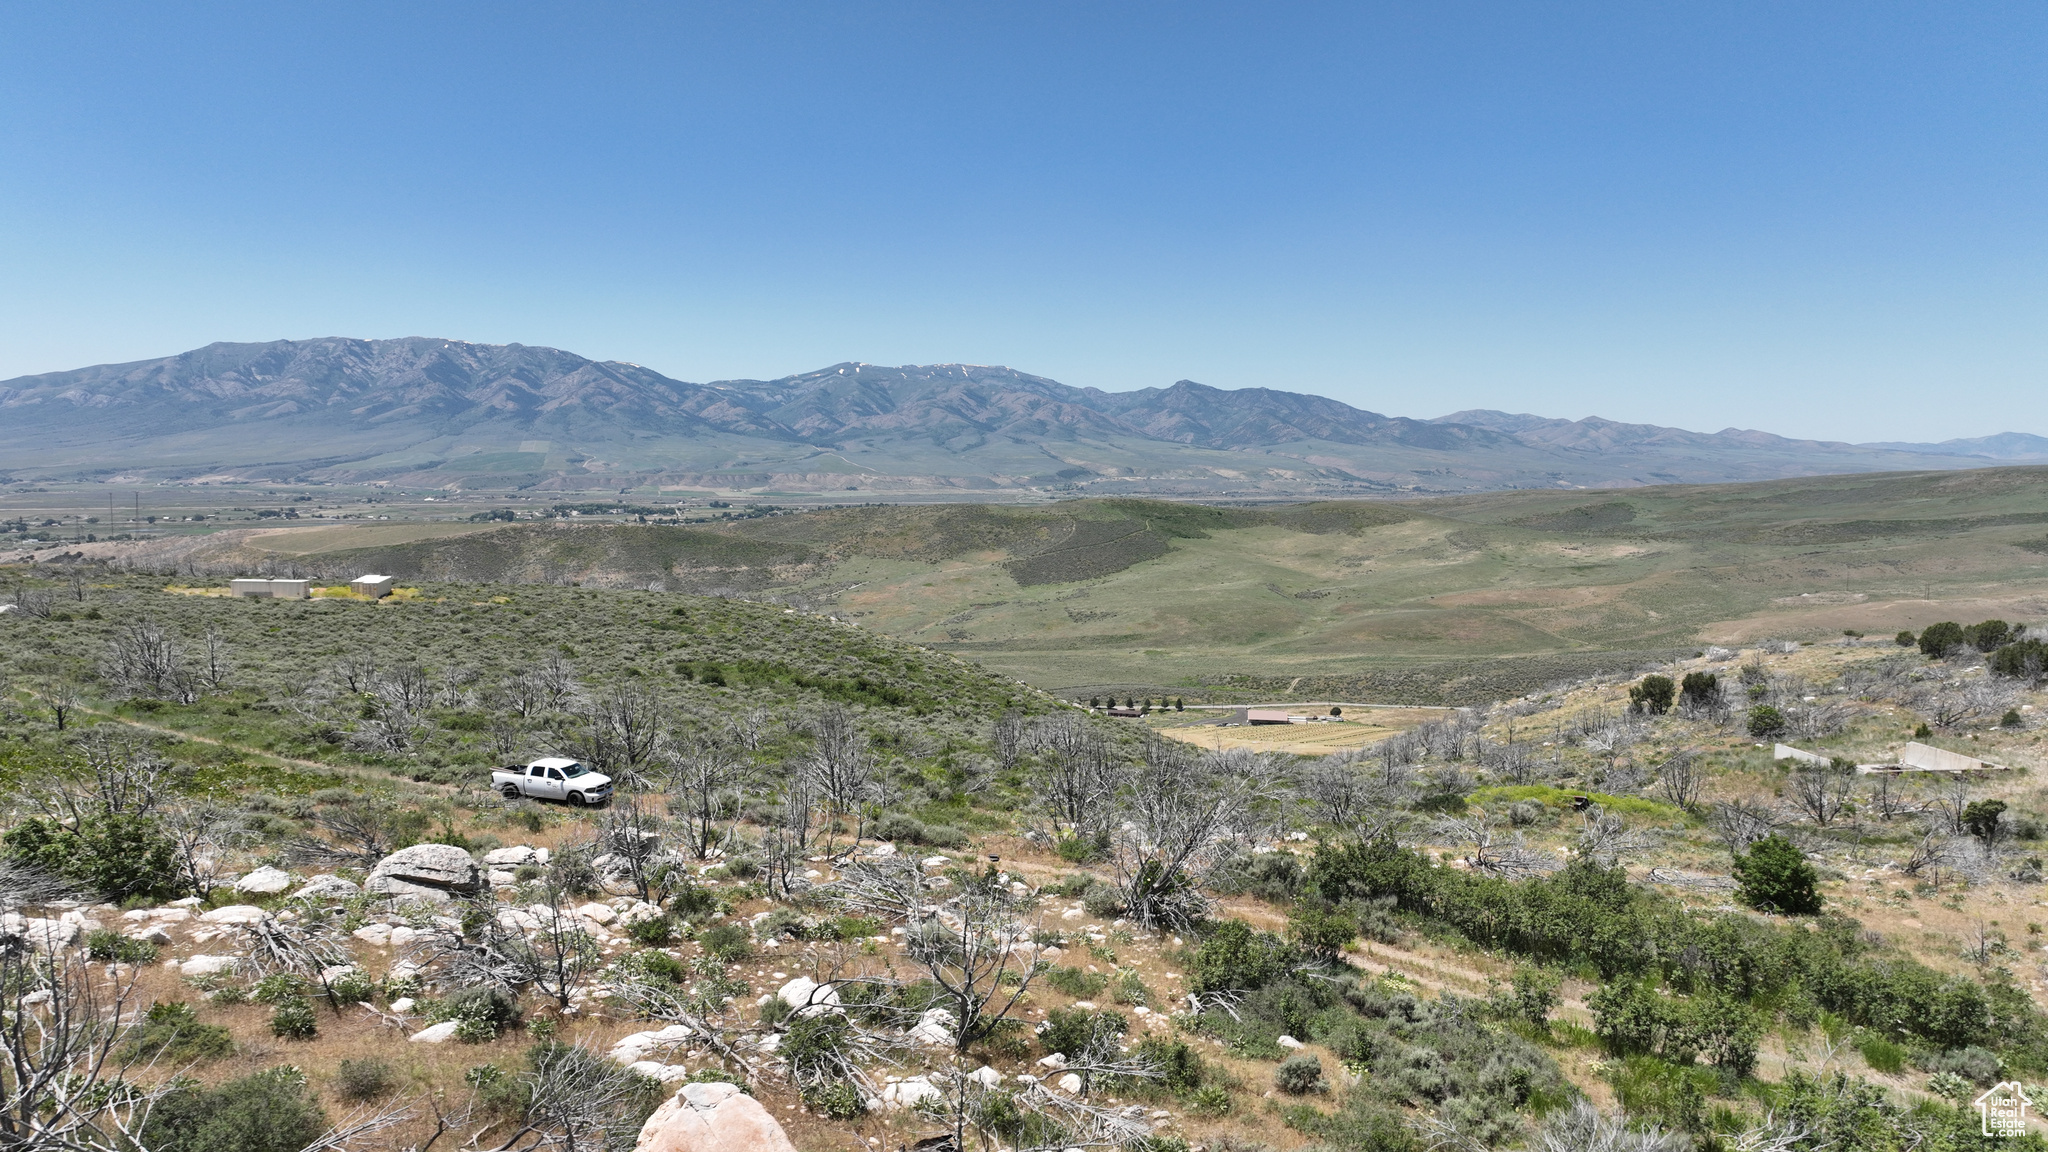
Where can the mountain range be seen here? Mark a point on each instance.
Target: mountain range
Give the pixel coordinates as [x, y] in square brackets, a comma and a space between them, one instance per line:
[444, 413]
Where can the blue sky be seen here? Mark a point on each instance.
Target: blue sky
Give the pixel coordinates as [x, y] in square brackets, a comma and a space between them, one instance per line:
[1818, 219]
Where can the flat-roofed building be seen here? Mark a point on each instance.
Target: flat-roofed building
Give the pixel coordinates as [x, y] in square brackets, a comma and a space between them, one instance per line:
[375, 587]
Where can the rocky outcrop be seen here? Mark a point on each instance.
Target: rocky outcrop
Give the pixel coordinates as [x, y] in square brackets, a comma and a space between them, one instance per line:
[326, 888]
[712, 1118]
[264, 881]
[425, 871]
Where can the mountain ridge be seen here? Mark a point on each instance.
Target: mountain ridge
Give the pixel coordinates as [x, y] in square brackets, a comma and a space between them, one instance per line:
[429, 410]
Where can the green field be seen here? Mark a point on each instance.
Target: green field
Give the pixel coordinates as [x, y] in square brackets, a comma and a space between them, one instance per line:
[1389, 600]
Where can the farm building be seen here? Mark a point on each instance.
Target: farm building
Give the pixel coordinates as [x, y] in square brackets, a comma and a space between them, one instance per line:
[271, 589]
[375, 587]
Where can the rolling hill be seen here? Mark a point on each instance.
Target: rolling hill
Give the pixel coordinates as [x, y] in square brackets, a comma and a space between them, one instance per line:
[1437, 599]
[442, 413]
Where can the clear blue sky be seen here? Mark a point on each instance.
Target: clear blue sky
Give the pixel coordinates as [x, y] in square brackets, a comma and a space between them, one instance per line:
[1818, 219]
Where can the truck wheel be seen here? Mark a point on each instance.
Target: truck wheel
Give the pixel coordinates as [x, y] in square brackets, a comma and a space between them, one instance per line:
[576, 798]
[511, 791]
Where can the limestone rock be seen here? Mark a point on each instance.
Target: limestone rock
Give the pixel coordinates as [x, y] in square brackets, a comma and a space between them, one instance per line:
[646, 1045]
[235, 914]
[934, 1027]
[430, 871]
[809, 997]
[436, 1034]
[906, 1093]
[1071, 1083]
[326, 888]
[712, 1118]
[515, 856]
[208, 965]
[1289, 1042]
[265, 881]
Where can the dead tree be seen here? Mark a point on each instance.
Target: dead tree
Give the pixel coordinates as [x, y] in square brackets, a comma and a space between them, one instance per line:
[630, 835]
[145, 660]
[1078, 776]
[1681, 778]
[621, 732]
[1740, 823]
[61, 696]
[202, 835]
[69, 1081]
[1822, 793]
[216, 660]
[703, 777]
[1183, 812]
[1606, 839]
[841, 761]
[575, 1096]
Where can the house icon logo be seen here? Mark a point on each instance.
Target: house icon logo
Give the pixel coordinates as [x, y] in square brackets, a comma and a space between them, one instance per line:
[2004, 1109]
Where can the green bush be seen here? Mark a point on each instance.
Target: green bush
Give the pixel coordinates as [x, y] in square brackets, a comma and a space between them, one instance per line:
[480, 1013]
[1075, 982]
[278, 988]
[1300, 1075]
[354, 986]
[1766, 722]
[1180, 1067]
[359, 1081]
[1235, 958]
[1905, 638]
[268, 1112]
[727, 942]
[107, 945]
[1320, 932]
[1881, 1054]
[1103, 900]
[1774, 875]
[1073, 1031]
[293, 1019]
[115, 855]
[653, 931]
[1653, 695]
[172, 1032]
[1079, 849]
[1943, 639]
[838, 1100]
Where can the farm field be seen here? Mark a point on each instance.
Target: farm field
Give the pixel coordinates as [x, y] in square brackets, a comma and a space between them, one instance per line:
[1436, 601]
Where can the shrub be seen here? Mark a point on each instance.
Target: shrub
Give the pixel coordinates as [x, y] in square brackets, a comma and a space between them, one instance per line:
[1300, 1075]
[654, 930]
[2012, 719]
[352, 987]
[1975, 1064]
[1699, 690]
[1766, 722]
[1943, 639]
[1234, 958]
[1073, 1031]
[1905, 639]
[1981, 818]
[1990, 635]
[1320, 932]
[293, 1019]
[654, 966]
[838, 1100]
[1653, 695]
[1103, 900]
[1078, 849]
[1076, 983]
[727, 942]
[172, 1032]
[268, 1112]
[1775, 876]
[1526, 813]
[1882, 1055]
[107, 945]
[480, 1014]
[358, 1081]
[690, 902]
[1534, 997]
[1210, 1100]
[277, 988]
[115, 855]
[1180, 1067]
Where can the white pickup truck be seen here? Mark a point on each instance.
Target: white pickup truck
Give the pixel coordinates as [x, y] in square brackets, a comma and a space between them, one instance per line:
[553, 778]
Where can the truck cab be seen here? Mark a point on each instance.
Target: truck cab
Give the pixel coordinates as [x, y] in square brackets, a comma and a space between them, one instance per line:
[553, 778]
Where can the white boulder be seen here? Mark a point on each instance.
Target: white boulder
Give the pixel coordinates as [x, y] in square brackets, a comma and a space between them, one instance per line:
[265, 881]
[436, 1033]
